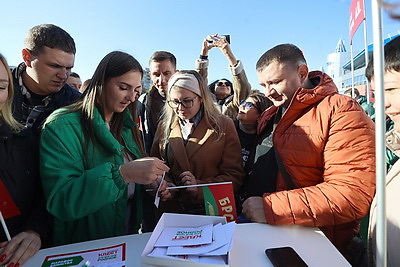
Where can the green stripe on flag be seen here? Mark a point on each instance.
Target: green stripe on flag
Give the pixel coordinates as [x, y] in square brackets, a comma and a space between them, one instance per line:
[209, 202]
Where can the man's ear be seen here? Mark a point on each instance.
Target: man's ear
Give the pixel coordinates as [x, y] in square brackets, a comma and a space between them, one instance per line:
[303, 72]
[27, 57]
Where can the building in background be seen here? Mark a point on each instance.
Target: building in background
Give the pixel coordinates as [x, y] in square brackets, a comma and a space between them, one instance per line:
[338, 66]
[146, 81]
[335, 62]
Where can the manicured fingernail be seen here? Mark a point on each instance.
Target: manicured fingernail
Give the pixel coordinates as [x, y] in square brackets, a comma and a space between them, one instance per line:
[11, 264]
[3, 257]
[16, 265]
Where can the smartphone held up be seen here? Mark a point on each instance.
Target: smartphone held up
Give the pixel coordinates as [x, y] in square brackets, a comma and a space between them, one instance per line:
[212, 39]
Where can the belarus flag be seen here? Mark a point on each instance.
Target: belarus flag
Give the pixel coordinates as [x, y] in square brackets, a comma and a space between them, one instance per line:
[219, 200]
[7, 205]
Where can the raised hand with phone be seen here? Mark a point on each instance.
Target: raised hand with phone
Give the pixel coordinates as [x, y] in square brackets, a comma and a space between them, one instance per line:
[227, 94]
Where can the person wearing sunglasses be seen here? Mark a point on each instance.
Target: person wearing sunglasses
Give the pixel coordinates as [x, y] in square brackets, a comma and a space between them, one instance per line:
[198, 143]
[246, 126]
[227, 94]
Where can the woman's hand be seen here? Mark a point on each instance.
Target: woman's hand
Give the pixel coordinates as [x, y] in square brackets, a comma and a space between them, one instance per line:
[143, 171]
[187, 178]
[206, 45]
[223, 45]
[165, 193]
[20, 248]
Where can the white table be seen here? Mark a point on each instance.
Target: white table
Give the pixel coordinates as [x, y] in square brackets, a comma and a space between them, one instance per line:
[250, 242]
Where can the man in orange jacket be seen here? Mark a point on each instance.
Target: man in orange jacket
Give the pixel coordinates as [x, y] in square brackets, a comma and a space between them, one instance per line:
[324, 147]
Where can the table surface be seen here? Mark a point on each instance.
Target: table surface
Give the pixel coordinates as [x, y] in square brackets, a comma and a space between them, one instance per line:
[250, 242]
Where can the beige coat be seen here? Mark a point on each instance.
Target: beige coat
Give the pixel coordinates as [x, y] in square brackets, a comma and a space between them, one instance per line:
[208, 159]
[392, 209]
[241, 87]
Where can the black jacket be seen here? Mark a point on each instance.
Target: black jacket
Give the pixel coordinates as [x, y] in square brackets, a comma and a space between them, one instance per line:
[19, 171]
[64, 97]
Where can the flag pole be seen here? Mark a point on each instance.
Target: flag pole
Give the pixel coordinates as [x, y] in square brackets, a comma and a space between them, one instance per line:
[367, 91]
[352, 69]
[189, 186]
[3, 223]
[380, 129]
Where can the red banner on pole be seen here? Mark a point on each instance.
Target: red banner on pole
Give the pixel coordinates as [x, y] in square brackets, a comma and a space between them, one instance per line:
[7, 205]
[219, 200]
[357, 15]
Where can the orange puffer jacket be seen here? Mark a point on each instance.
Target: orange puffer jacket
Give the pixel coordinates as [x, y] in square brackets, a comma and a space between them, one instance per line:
[327, 145]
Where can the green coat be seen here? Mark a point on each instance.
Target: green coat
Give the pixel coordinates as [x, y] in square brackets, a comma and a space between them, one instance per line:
[84, 189]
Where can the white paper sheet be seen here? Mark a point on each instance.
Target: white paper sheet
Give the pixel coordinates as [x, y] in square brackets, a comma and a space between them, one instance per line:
[157, 198]
[185, 236]
[219, 240]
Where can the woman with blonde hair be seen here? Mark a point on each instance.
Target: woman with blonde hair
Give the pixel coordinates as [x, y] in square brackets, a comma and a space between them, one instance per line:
[198, 143]
[19, 173]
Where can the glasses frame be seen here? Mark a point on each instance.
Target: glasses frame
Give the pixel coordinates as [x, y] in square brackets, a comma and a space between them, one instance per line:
[177, 103]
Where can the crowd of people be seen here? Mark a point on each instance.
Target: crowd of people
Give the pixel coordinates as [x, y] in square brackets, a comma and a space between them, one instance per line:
[83, 161]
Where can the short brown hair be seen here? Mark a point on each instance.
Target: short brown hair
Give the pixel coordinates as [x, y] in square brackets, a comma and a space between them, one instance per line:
[49, 35]
[159, 56]
[283, 53]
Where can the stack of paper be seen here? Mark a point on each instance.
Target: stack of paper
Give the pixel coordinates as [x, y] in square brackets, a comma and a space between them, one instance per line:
[204, 244]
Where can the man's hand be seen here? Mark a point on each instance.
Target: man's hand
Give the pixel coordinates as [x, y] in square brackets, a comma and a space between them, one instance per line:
[253, 209]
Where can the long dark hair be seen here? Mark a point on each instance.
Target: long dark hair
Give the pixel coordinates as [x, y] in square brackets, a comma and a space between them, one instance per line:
[112, 65]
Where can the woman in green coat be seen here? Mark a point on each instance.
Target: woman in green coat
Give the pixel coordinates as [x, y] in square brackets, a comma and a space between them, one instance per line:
[90, 157]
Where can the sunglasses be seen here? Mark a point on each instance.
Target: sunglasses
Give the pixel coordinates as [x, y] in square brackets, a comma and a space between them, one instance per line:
[247, 105]
[223, 83]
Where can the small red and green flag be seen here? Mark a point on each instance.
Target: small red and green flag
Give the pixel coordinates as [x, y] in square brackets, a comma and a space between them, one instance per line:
[219, 200]
[7, 205]
[7, 208]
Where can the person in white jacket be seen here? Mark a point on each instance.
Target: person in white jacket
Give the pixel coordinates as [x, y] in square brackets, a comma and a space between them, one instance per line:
[392, 110]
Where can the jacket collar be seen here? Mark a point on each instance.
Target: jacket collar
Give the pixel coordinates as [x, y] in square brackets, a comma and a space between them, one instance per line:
[303, 98]
[107, 139]
[183, 153]
[393, 141]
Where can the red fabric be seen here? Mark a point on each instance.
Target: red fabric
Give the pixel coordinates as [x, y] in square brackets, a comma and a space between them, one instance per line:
[223, 196]
[357, 15]
[7, 205]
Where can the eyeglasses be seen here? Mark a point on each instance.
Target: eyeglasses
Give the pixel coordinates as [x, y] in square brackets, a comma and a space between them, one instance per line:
[186, 103]
[223, 83]
[247, 105]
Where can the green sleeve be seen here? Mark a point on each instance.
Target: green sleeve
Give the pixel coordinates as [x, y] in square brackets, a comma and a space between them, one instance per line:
[73, 191]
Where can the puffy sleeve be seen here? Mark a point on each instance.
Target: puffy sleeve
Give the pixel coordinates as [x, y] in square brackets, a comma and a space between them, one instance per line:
[333, 168]
[72, 174]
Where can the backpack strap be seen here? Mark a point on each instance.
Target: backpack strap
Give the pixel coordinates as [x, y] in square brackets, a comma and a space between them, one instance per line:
[285, 174]
[282, 169]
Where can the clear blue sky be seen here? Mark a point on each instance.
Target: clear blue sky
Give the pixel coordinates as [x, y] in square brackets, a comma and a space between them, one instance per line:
[142, 27]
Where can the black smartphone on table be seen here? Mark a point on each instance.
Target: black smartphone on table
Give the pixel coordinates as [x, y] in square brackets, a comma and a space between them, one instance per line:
[285, 257]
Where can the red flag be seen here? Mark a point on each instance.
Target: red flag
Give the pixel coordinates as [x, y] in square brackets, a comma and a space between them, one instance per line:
[7, 205]
[219, 200]
[357, 15]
